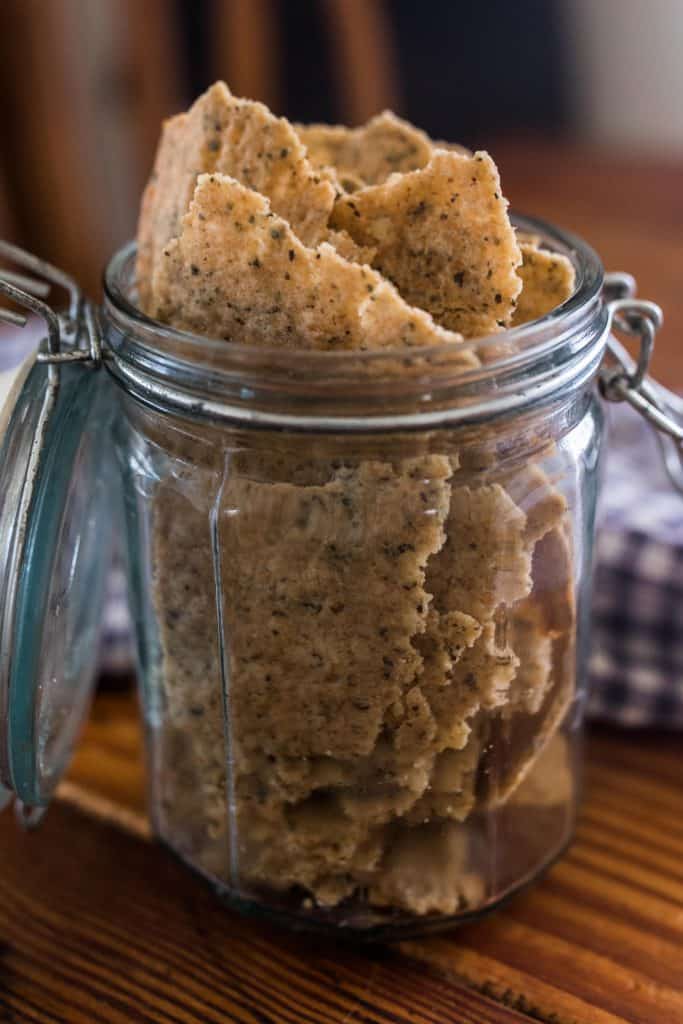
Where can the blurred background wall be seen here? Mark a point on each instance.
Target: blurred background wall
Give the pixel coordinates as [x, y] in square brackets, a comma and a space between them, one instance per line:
[84, 85]
[628, 81]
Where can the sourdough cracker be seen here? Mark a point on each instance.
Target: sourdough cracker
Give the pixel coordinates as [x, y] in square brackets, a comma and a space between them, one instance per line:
[553, 575]
[427, 870]
[314, 845]
[479, 680]
[548, 280]
[528, 238]
[384, 771]
[317, 667]
[192, 787]
[443, 237]
[298, 751]
[485, 560]
[451, 793]
[370, 154]
[533, 646]
[545, 628]
[447, 635]
[536, 493]
[382, 776]
[238, 272]
[520, 738]
[314, 671]
[342, 242]
[241, 138]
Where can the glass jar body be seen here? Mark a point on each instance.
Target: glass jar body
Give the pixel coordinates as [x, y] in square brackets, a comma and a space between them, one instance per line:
[363, 657]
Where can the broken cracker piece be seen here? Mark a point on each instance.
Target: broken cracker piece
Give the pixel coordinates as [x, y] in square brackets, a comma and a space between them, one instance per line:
[446, 637]
[533, 646]
[451, 791]
[553, 580]
[350, 250]
[552, 779]
[523, 728]
[486, 560]
[547, 281]
[367, 155]
[321, 624]
[241, 138]
[427, 870]
[378, 806]
[480, 679]
[238, 272]
[312, 844]
[544, 505]
[443, 237]
[517, 740]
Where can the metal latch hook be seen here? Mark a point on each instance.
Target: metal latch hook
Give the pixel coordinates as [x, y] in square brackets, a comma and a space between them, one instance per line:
[628, 380]
[29, 291]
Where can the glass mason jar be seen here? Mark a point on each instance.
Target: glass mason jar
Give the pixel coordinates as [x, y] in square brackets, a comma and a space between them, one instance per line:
[361, 590]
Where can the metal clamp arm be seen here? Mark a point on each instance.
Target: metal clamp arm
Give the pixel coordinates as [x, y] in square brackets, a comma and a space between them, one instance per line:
[627, 380]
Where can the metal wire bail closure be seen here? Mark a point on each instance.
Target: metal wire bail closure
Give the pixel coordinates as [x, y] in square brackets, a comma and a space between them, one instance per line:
[628, 380]
[29, 291]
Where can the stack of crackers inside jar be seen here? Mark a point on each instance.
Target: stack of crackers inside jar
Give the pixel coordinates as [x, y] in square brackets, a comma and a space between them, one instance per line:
[380, 614]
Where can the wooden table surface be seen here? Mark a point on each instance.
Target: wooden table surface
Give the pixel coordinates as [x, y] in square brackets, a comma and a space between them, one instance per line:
[98, 924]
[630, 210]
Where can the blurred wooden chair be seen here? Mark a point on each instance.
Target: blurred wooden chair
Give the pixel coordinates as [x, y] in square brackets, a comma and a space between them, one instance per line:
[85, 85]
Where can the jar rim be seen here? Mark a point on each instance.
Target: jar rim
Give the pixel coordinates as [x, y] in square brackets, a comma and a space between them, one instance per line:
[217, 379]
[586, 263]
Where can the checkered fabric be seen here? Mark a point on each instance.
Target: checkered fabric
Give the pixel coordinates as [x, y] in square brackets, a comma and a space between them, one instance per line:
[636, 663]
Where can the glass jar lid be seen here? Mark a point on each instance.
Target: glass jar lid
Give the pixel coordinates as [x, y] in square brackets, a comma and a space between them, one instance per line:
[56, 497]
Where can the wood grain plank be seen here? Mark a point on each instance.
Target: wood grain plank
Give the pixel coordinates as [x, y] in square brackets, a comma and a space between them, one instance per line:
[556, 910]
[603, 933]
[629, 852]
[585, 985]
[601, 813]
[99, 926]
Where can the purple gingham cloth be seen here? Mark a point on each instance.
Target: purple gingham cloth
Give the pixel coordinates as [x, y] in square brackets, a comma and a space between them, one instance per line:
[636, 663]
